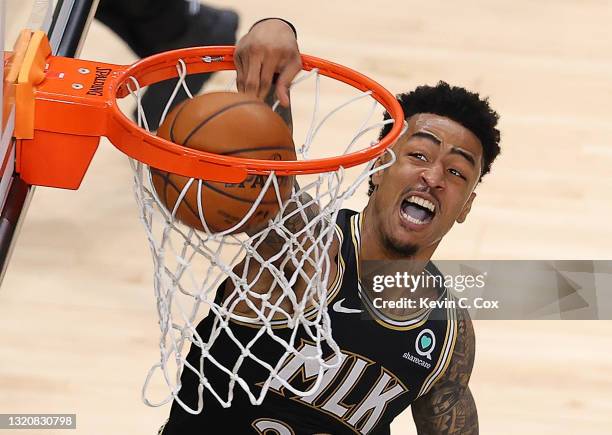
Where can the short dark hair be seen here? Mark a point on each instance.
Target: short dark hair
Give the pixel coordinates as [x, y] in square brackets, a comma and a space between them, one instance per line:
[462, 106]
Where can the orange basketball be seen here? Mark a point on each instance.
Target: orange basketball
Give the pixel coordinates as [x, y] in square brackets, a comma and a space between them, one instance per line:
[231, 124]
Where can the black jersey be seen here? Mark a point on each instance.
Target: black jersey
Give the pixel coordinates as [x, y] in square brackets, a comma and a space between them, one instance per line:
[387, 364]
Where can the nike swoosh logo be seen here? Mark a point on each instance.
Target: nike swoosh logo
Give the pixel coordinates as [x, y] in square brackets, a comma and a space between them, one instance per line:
[338, 308]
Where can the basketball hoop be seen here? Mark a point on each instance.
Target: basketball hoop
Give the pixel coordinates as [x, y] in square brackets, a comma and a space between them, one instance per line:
[63, 108]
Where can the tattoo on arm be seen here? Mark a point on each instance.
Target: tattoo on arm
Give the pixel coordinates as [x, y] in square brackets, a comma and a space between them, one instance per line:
[297, 221]
[449, 408]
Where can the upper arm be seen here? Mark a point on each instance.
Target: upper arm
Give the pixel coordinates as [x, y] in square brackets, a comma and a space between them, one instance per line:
[449, 408]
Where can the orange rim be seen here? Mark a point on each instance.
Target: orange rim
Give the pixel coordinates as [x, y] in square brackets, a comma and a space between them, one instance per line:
[64, 106]
[163, 66]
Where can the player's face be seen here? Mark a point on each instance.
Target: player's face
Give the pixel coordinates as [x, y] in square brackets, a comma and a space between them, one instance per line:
[429, 187]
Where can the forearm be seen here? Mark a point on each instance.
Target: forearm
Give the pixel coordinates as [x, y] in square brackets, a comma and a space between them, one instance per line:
[284, 112]
[299, 213]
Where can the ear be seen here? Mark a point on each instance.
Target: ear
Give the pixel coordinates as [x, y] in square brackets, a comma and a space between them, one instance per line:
[377, 176]
[466, 208]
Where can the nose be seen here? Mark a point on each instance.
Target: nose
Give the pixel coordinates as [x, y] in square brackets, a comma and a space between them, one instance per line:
[433, 176]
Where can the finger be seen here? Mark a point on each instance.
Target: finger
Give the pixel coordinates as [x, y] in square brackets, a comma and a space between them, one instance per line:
[251, 83]
[284, 81]
[240, 73]
[241, 57]
[268, 69]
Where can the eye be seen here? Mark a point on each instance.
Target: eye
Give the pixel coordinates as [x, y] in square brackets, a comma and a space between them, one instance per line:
[456, 173]
[418, 156]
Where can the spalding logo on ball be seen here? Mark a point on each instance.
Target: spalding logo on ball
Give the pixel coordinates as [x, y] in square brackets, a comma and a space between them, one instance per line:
[230, 124]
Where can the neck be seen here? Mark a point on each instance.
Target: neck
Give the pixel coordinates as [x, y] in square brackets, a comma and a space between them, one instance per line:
[372, 248]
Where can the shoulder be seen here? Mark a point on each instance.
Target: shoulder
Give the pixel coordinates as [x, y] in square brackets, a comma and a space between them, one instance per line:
[344, 216]
[464, 352]
[459, 366]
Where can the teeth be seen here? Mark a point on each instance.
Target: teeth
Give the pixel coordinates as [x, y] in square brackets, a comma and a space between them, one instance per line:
[415, 221]
[423, 203]
[411, 219]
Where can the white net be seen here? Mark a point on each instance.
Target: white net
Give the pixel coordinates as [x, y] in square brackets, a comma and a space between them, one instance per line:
[275, 282]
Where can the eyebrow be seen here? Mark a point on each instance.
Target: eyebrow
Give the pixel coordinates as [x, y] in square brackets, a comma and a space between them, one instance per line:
[454, 150]
[427, 135]
[467, 156]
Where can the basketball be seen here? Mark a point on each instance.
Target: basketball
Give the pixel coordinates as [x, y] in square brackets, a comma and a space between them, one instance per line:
[230, 124]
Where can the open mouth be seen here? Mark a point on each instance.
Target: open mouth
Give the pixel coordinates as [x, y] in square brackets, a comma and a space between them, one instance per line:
[417, 210]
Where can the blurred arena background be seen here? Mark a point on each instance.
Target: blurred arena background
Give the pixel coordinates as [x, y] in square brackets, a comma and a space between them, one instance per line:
[78, 327]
